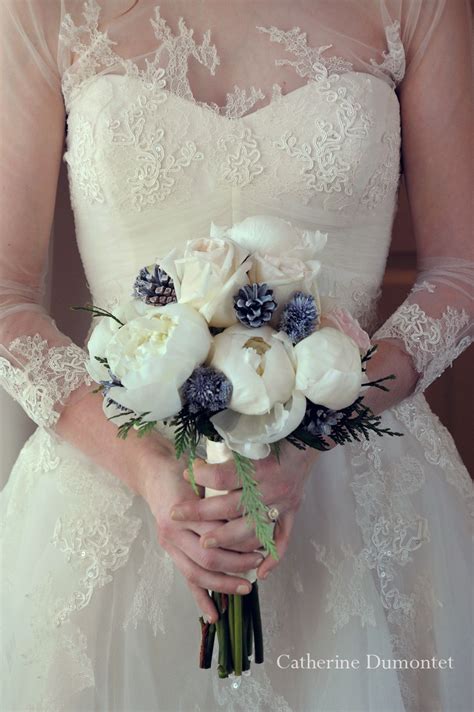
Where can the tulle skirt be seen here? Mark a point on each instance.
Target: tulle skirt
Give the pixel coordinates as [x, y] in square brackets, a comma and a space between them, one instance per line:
[368, 611]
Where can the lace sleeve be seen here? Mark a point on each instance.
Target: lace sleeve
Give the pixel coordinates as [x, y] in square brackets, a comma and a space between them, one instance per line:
[435, 322]
[39, 366]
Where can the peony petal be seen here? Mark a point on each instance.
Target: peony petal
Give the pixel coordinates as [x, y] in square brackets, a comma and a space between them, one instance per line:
[245, 433]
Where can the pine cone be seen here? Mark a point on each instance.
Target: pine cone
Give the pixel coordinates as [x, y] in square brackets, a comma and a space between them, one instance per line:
[254, 305]
[154, 287]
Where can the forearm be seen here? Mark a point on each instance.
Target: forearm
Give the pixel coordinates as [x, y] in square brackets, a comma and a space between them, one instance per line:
[84, 425]
[388, 359]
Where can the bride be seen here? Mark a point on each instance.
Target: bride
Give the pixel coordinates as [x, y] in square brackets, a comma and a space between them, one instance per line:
[175, 115]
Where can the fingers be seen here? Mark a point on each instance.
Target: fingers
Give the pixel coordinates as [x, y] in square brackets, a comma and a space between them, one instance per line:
[204, 602]
[219, 477]
[225, 506]
[233, 534]
[195, 574]
[282, 533]
[216, 559]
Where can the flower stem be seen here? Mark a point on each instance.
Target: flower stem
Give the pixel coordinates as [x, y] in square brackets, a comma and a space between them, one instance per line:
[237, 634]
[221, 664]
[256, 623]
[247, 632]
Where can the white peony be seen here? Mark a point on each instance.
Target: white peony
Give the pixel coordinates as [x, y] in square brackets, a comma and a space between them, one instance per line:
[208, 275]
[152, 355]
[251, 435]
[329, 369]
[260, 365]
[104, 330]
[283, 256]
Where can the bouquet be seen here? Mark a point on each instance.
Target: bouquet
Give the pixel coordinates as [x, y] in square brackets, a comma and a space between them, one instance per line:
[225, 344]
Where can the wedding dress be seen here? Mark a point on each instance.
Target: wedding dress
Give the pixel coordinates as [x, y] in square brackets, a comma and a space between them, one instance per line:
[94, 614]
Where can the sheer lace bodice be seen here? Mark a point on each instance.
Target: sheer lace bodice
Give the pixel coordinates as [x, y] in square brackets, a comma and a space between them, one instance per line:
[150, 165]
[96, 613]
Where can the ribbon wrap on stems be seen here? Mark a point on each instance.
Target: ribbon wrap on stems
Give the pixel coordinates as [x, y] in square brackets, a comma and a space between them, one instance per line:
[239, 626]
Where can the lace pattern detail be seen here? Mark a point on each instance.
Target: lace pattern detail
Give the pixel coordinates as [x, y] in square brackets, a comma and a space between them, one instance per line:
[433, 343]
[394, 60]
[437, 442]
[347, 596]
[81, 161]
[311, 62]
[46, 378]
[152, 595]
[242, 161]
[95, 50]
[154, 170]
[388, 171]
[95, 533]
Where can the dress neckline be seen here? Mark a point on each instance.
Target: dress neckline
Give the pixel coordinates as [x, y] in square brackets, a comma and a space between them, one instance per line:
[310, 62]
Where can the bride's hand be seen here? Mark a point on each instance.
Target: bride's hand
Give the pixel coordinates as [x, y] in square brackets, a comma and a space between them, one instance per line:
[281, 485]
[163, 488]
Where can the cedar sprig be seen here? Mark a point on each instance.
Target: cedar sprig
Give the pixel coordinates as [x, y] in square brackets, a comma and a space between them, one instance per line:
[254, 509]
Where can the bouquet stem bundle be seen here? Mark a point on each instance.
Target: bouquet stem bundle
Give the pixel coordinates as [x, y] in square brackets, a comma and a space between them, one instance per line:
[239, 626]
[238, 629]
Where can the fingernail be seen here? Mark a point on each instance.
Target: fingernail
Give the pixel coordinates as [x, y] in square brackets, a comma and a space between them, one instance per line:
[209, 543]
[242, 589]
[207, 618]
[186, 475]
[258, 561]
[176, 514]
[264, 575]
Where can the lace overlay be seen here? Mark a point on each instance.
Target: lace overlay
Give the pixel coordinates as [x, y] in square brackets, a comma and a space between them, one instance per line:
[46, 379]
[153, 153]
[152, 595]
[433, 343]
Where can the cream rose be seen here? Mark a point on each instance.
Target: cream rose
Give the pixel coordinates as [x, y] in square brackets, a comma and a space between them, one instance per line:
[283, 256]
[207, 276]
[260, 365]
[329, 369]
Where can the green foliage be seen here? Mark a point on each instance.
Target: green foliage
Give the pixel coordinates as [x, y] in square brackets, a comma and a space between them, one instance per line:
[136, 422]
[251, 500]
[275, 449]
[358, 420]
[186, 440]
[97, 311]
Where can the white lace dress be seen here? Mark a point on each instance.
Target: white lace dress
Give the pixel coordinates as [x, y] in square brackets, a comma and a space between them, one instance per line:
[94, 614]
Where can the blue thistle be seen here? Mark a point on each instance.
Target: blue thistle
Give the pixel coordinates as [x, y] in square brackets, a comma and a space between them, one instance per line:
[254, 304]
[107, 385]
[299, 317]
[206, 390]
[323, 420]
[154, 287]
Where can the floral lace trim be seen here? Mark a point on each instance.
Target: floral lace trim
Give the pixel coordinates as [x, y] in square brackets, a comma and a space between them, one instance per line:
[95, 51]
[433, 343]
[81, 160]
[46, 378]
[95, 533]
[394, 60]
[152, 596]
[437, 442]
[387, 173]
[347, 596]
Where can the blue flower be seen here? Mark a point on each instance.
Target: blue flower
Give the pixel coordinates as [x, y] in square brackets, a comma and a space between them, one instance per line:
[299, 317]
[107, 385]
[323, 420]
[206, 390]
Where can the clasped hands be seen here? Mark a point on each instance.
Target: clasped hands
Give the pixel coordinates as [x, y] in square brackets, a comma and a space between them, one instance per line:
[227, 540]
